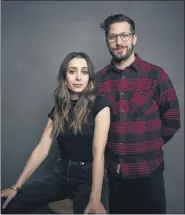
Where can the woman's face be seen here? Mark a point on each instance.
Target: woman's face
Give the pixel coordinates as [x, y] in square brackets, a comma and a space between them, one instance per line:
[77, 75]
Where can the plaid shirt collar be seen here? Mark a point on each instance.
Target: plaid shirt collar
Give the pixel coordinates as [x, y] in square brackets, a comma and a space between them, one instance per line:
[135, 65]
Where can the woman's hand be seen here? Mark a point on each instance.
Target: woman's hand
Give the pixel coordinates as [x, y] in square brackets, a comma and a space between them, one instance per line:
[95, 208]
[9, 194]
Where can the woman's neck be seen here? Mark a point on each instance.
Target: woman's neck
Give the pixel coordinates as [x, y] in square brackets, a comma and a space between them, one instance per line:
[74, 96]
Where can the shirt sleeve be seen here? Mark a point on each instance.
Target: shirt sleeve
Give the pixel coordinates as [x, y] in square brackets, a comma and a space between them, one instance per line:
[169, 106]
[51, 114]
[100, 103]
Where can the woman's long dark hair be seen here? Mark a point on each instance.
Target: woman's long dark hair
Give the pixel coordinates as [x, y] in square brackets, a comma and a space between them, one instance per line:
[63, 100]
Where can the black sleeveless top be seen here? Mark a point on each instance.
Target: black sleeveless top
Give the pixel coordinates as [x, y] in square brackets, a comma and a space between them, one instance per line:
[79, 147]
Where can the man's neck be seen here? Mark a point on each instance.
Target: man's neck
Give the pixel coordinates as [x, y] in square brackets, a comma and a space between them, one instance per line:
[125, 63]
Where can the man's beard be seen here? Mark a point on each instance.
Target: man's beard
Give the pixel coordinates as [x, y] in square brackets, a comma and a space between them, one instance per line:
[119, 58]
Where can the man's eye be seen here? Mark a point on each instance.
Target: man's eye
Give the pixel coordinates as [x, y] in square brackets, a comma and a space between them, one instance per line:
[112, 37]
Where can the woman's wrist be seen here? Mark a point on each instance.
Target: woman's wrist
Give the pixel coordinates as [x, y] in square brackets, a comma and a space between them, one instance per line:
[15, 188]
[95, 198]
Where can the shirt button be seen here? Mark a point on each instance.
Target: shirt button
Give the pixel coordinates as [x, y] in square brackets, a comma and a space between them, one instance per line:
[122, 93]
[122, 110]
[122, 77]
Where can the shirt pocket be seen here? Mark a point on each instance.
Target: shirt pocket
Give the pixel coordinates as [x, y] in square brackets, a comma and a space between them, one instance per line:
[141, 105]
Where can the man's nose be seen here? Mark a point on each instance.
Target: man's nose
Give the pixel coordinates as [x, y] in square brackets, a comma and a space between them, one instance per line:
[118, 40]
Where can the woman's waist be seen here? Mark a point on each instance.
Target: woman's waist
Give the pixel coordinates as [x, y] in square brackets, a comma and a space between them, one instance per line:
[74, 161]
[76, 157]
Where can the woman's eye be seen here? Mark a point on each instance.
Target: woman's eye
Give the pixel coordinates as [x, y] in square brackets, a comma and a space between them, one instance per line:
[85, 72]
[71, 71]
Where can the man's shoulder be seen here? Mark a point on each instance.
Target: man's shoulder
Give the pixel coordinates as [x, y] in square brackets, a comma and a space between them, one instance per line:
[152, 68]
[102, 71]
[100, 75]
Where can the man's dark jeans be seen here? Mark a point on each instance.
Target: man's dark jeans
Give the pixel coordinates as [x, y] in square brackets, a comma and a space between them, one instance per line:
[137, 196]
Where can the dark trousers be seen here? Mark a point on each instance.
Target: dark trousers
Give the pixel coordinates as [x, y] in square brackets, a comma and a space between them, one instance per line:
[70, 179]
[137, 196]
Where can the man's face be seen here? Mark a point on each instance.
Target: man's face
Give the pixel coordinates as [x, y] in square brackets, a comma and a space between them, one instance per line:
[121, 41]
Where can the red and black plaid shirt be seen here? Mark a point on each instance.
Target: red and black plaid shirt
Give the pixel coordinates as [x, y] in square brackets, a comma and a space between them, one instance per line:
[144, 115]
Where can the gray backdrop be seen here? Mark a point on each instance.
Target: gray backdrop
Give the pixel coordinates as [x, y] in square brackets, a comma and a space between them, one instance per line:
[35, 38]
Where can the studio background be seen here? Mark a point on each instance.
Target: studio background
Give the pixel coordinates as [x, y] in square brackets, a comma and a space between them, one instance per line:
[36, 36]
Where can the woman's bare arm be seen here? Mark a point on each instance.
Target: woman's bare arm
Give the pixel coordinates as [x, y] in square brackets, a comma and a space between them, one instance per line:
[38, 155]
[102, 124]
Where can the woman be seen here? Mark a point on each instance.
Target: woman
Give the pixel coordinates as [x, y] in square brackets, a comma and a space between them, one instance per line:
[80, 122]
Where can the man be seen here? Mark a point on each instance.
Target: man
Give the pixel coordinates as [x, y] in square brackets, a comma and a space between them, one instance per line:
[144, 116]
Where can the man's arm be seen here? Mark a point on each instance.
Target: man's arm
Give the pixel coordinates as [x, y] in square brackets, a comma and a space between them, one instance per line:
[168, 106]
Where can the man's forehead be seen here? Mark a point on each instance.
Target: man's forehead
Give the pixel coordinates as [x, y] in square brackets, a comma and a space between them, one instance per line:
[120, 26]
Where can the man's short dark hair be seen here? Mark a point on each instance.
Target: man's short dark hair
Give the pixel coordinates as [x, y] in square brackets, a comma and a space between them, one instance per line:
[114, 19]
